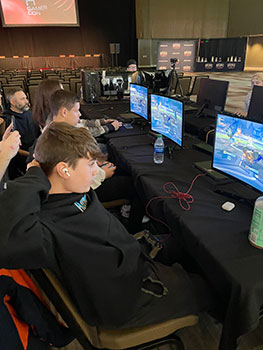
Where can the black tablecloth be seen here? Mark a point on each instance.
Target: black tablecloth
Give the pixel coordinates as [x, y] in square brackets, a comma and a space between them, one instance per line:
[216, 240]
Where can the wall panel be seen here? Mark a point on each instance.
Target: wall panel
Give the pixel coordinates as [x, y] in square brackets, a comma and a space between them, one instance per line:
[245, 17]
[175, 19]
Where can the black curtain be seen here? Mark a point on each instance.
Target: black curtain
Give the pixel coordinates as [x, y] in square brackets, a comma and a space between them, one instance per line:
[101, 22]
[223, 48]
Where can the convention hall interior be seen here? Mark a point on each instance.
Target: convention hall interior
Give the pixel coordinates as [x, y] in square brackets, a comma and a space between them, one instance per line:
[189, 73]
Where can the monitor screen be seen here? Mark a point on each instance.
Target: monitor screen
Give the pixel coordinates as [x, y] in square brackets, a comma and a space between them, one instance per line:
[212, 93]
[167, 117]
[32, 13]
[139, 100]
[255, 109]
[238, 149]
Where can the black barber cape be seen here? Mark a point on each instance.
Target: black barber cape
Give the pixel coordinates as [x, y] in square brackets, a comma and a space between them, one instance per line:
[99, 263]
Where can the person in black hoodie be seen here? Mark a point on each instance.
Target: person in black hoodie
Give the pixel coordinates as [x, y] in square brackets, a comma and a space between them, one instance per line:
[58, 223]
[19, 114]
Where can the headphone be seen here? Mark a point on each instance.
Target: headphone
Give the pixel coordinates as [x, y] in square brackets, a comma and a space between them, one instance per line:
[65, 170]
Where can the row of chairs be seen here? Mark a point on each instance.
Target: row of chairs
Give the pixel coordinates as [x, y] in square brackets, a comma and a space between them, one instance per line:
[71, 83]
[187, 85]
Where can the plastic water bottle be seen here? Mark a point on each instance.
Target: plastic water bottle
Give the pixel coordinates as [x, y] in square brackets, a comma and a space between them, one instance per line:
[158, 155]
[256, 228]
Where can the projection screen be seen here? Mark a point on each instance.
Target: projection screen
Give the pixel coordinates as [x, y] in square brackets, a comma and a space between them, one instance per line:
[32, 13]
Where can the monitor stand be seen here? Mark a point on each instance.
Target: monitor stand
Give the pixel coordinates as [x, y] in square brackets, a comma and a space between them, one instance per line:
[204, 111]
[206, 168]
[238, 191]
[170, 146]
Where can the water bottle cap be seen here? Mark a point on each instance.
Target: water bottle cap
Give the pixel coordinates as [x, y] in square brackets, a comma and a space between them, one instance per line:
[159, 135]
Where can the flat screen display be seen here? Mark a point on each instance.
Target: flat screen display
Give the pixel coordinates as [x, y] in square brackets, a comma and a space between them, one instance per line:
[212, 93]
[23, 13]
[167, 117]
[238, 149]
[139, 100]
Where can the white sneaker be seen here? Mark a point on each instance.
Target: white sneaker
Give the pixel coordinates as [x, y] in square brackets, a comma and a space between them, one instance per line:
[145, 219]
[125, 210]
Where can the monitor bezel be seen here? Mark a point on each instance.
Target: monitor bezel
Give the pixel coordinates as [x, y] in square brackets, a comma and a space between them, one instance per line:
[183, 117]
[223, 172]
[147, 119]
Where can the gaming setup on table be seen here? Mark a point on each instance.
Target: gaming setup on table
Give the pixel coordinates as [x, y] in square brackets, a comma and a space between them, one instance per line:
[238, 144]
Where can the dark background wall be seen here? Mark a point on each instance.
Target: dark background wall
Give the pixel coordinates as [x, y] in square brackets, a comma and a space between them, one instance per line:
[101, 22]
[245, 17]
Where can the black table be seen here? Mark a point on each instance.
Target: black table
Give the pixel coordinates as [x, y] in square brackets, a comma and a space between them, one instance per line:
[216, 240]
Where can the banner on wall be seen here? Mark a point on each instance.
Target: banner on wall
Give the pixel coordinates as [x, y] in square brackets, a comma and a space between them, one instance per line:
[182, 50]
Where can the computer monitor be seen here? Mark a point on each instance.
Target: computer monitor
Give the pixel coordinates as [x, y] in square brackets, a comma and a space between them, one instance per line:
[255, 109]
[238, 150]
[139, 100]
[112, 84]
[212, 94]
[167, 117]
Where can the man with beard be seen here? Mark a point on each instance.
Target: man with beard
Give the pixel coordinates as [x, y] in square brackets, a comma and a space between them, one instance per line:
[19, 114]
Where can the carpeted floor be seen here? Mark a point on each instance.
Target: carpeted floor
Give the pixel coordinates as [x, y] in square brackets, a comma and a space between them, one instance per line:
[239, 86]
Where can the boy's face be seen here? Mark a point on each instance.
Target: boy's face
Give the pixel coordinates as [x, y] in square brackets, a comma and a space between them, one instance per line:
[72, 115]
[81, 176]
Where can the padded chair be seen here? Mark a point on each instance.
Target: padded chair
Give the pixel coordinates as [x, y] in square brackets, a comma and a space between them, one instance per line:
[31, 91]
[15, 81]
[53, 76]
[66, 86]
[3, 80]
[78, 87]
[72, 83]
[196, 84]
[185, 85]
[90, 337]
[66, 78]
[34, 81]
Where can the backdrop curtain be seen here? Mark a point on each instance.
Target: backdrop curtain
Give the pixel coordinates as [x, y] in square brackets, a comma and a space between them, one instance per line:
[181, 19]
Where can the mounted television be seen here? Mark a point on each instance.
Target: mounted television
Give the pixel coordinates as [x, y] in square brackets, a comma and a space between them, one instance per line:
[212, 95]
[33, 13]
[255, 109]
[238, 150]
[139, 100]
[167, 117]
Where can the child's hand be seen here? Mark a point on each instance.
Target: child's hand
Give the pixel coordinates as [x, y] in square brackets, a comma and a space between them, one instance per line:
[109, 169]
[10, 144]
[116, 124]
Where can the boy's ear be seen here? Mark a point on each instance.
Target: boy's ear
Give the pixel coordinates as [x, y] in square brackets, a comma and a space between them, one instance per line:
[63, 111]
[62, 170]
